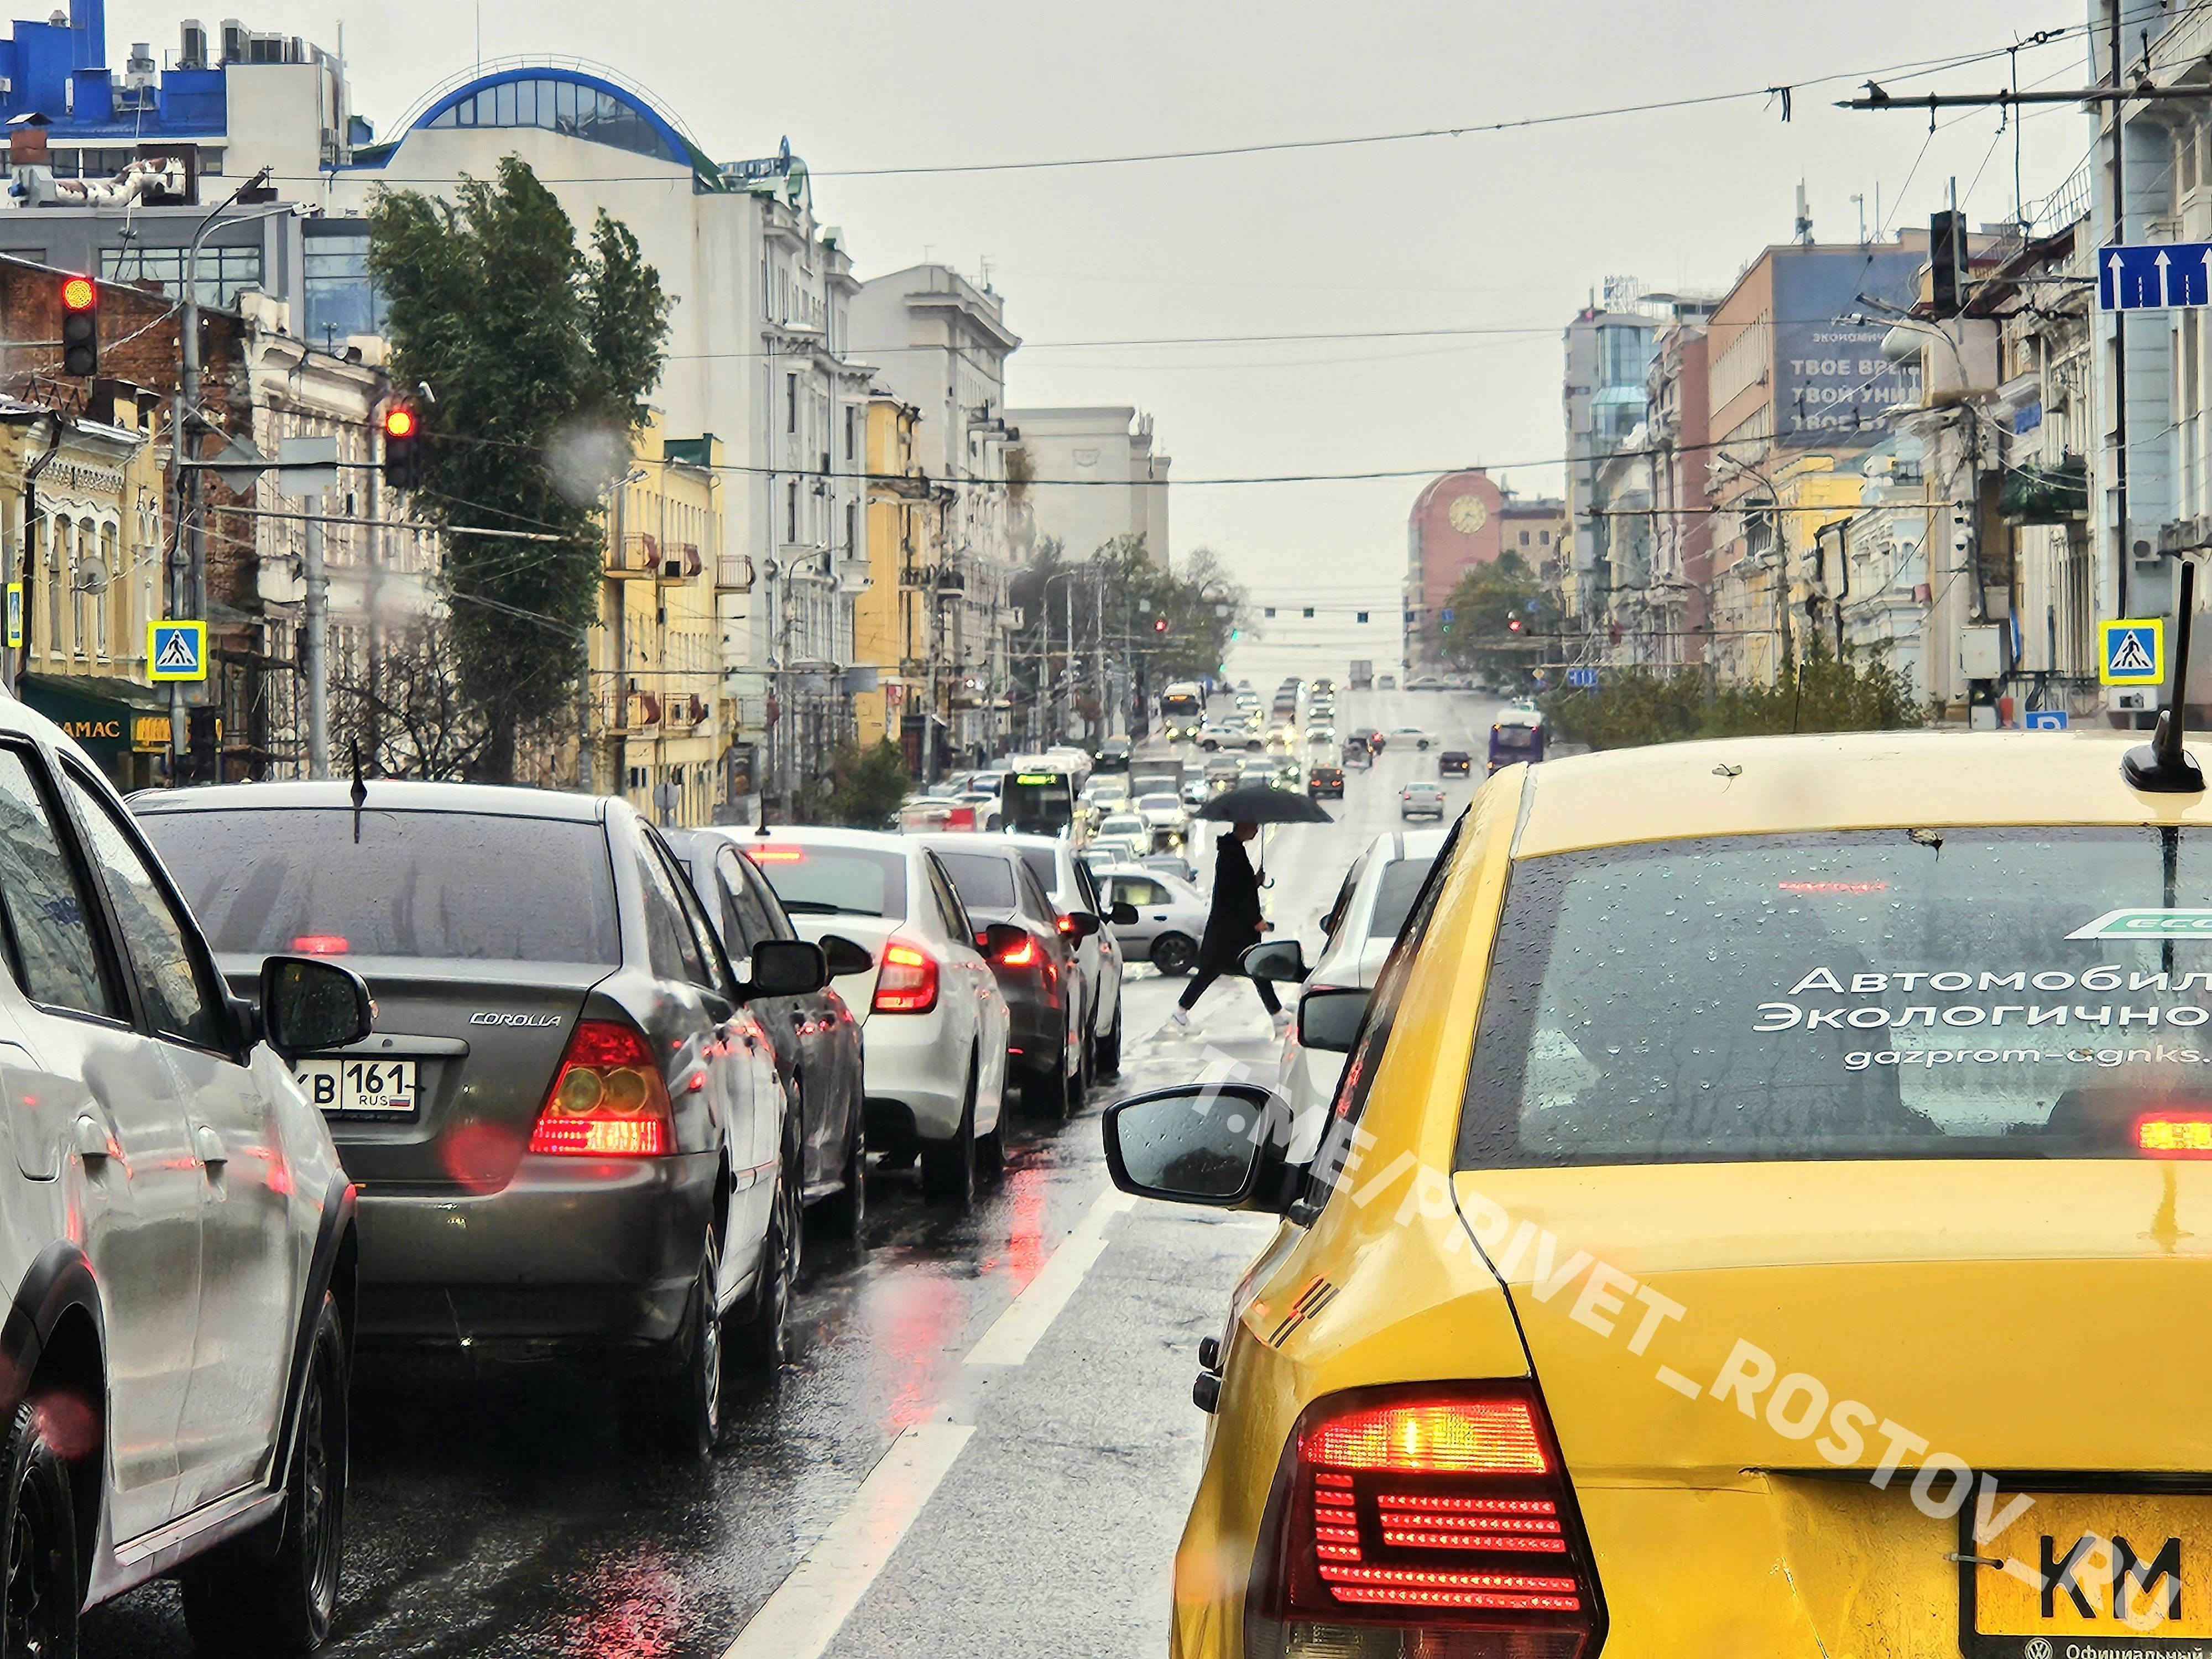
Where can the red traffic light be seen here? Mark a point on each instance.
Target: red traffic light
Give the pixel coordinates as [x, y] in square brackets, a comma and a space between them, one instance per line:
[79, 294]
[400, 422]
[1159, 624]
[1513, 624]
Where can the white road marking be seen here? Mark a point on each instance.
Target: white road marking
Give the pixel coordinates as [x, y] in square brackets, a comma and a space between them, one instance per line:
[804, 1616]
[1016, 1331]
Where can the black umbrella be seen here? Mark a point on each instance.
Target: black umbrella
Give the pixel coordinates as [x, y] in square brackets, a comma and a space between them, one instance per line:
[1259, 803]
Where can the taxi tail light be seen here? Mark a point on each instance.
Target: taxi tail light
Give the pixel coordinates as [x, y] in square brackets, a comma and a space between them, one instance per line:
[608, 1100]
[907, 982]
[1435, 1520]
[2174, 1134]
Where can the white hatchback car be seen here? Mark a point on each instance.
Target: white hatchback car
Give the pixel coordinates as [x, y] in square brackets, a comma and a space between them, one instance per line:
[933, 1021]
[1170, 916]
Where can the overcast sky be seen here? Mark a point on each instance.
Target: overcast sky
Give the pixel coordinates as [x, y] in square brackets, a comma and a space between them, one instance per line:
[1504, 231]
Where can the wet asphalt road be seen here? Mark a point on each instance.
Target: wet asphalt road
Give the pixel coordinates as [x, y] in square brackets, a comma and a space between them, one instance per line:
[501, 1511]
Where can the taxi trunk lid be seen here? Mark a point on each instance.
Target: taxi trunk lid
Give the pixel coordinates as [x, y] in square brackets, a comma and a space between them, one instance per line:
[1814, 1383]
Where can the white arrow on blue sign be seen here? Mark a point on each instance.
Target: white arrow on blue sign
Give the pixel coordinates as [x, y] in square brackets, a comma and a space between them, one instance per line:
[2154, 276]
[1582, 677]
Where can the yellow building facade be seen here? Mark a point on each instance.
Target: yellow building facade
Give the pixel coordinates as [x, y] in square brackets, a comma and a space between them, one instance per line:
[655, 733]
[91, 577]
[895, 623]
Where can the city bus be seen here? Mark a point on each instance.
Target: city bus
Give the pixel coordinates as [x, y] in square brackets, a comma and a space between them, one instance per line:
[1042, 803]
[1183, 708]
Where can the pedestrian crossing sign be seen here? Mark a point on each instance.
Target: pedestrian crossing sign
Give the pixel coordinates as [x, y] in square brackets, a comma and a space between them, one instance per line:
[176, 650]
[2132, 653]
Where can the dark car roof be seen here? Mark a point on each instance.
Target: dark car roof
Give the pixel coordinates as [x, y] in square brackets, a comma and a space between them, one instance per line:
[382, 794]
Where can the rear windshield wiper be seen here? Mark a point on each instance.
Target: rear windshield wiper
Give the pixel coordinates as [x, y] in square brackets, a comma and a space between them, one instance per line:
[818, 908]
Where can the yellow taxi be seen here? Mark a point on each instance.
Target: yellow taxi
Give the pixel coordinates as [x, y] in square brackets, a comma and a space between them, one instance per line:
[1771, 1218]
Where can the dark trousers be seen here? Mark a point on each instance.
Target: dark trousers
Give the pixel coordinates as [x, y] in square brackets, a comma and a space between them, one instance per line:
[1205, 976]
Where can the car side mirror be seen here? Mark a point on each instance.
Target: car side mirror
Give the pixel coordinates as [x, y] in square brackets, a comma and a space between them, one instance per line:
[1328, 1019]
[1223, 1145]
[307, 1004]
[787, 968]
[1002, 938]
[1083, 923]
[844, 956]
[1123, 913]
[1283, 960]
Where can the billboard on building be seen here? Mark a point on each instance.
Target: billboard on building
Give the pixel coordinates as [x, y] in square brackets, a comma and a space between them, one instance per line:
[1832, 383]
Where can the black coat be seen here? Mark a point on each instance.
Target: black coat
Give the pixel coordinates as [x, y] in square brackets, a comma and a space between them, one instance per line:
[1232, 925]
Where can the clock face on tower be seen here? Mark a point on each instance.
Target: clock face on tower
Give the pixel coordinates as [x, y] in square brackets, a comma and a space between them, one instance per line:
[1468, 514]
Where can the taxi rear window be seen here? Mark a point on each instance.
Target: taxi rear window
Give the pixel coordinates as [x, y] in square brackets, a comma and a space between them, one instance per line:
[1931, 993]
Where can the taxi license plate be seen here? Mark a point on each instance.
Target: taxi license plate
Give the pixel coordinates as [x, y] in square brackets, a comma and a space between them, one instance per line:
[351, 1087]
[2093, 1575]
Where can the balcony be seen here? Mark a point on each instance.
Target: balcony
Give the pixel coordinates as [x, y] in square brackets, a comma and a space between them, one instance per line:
[637, 559]
[679, 563]
[733, 574]
[639, 711]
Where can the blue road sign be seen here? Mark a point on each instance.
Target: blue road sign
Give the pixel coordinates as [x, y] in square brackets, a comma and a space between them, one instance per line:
[176, 650]
[2046, 719]
[1448, 616]
[1582, 677]
[2132, 650]
[2155, 277]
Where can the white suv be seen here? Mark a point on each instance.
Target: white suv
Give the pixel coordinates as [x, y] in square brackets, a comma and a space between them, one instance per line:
[932, 1022]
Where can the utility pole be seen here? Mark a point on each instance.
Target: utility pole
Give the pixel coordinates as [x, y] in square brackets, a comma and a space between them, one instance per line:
[314, 646]
[2121, 548]
[1098, 639]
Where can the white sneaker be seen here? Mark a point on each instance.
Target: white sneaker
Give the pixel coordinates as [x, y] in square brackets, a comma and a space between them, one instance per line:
[1179, 1016]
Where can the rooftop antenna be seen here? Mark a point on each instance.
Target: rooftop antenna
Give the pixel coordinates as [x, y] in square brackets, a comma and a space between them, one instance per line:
[2161, 767]
[1804, 227]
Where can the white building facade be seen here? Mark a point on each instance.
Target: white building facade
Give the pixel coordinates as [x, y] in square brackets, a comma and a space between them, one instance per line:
[1073, 463]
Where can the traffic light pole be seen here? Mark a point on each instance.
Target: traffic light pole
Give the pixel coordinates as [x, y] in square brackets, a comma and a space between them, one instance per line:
[314, 647]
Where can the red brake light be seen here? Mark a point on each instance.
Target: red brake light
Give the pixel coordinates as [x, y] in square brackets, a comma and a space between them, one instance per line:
[907, 983]
[1023, 955]
[776, 854]
[1065, 924]
[320, 945]
[609, 1099]
[2175, 1134]
[1435, 1520]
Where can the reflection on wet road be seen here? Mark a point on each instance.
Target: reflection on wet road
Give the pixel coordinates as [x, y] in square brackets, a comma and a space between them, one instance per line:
[506, 1511]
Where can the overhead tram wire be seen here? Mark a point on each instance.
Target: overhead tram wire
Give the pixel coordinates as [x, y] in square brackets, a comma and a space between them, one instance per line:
[1292, 146]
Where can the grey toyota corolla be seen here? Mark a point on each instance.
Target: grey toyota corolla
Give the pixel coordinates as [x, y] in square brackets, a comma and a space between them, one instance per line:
[567, 1132]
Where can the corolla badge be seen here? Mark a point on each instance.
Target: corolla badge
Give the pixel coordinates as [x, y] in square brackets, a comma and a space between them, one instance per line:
[488, 1017]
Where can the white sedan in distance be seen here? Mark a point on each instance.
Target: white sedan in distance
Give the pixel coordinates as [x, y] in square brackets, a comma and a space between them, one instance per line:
[933, 1021]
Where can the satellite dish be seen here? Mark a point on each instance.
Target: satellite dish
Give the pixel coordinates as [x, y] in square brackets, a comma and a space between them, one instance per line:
[90, 576]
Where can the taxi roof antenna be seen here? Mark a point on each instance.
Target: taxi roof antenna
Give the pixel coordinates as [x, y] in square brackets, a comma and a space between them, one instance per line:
[2162, 767]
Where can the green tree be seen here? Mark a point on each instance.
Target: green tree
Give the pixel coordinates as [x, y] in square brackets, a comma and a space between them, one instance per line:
[1822, 693]
[539, 356]
[862, 789]
[1487, 599]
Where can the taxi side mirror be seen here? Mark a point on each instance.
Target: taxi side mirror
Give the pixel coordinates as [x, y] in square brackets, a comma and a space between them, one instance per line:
[1222, 1145]
[1123, 913]
[1082, 923]
[787, 968]
[844, 956]
[1328, 1019]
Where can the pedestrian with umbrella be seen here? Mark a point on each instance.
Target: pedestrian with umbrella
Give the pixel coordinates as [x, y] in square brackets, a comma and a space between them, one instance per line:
[1235, 923]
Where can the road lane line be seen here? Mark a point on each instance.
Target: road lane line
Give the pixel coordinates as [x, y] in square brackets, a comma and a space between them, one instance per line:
[809, 1607]
[1016, 1331]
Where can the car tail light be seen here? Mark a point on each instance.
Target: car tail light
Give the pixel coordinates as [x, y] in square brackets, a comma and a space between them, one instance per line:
[906, 982]
[2175, 1134]
[609, 1100]
[1065, 924]
[1435, 1521]
[1023, 955]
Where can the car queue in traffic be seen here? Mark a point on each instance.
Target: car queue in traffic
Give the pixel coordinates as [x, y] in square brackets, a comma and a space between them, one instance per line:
[303, 1069]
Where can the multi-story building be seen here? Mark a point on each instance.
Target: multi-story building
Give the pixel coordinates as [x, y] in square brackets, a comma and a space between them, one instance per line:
[899, 623]
[1065, 468]
[1534, 529]
[1457, 523]
[942, 343]
[1672, 604]
[88, 484]
[656, 657]
[1794, 367]
[1607, 347]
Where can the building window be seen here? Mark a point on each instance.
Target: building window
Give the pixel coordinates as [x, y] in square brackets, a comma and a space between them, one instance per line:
[1544, 539]
[848, 431]
[791, 402]
[582, 111]
[221, 272]
[1524, 538]
[1308, 613]
[1362, 615]
[852, 529]
[342, 299]
[791, 511]
[1270, 610]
